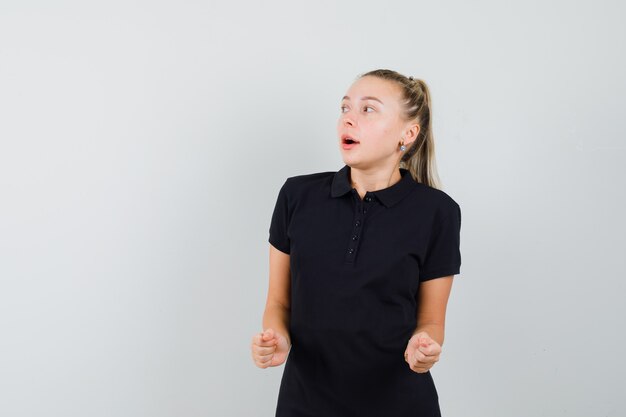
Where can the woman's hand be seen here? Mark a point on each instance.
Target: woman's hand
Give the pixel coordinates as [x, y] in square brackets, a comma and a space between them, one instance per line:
[421, 352]
[269, 348]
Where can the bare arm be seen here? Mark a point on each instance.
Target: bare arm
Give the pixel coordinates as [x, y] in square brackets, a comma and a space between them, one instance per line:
[278, 304]
[432, 302]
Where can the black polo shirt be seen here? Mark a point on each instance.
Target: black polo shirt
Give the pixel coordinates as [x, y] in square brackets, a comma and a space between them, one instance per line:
[356, 265]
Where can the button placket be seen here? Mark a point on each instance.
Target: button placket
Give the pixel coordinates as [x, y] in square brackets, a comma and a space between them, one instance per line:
[357, 225]
[361, 209]
[367, 199]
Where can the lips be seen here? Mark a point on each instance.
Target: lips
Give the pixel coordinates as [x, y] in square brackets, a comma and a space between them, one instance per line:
[347, 139]
[348, 142]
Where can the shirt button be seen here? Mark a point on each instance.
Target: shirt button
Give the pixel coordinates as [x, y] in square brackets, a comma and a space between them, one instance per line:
[358, 223]
[368, 198]
[355, 237]
[350, 250]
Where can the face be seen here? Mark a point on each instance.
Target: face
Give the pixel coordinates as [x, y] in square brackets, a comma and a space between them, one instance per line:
[371, 115]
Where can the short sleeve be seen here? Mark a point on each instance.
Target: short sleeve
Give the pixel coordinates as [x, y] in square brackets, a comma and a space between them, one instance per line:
[443, 255]
[278, 235]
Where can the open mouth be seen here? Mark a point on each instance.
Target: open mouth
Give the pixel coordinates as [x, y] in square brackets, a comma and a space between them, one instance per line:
[349, 140]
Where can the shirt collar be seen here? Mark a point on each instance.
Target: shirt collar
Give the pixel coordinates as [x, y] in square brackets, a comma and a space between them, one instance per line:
[388, 196]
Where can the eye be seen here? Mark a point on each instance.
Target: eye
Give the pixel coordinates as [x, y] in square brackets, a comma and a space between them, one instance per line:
[364, 107]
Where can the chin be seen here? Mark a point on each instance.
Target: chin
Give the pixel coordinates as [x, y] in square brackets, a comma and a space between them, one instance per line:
[346, 156]
[351, 160]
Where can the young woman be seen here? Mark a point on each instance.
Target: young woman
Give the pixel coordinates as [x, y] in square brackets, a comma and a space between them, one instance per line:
[361, 264]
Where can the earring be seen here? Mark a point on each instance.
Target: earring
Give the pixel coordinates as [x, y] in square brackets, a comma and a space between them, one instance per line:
[402, 147]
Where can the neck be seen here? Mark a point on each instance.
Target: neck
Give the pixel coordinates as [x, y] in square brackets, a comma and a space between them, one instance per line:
[364, 181]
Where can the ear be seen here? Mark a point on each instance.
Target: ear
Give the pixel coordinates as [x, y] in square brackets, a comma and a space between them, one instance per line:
[410, 133]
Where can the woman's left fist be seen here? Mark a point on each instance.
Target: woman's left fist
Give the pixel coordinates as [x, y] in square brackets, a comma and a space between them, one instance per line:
[421, 352]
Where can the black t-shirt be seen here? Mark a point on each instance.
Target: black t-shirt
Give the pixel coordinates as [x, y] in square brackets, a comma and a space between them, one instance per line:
[356, 265]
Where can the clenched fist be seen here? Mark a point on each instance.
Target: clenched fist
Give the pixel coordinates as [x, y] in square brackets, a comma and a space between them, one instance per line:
[269, 348]
[421, 352]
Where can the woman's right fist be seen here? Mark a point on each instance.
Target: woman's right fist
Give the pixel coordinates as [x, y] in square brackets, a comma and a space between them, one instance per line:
[269, 348]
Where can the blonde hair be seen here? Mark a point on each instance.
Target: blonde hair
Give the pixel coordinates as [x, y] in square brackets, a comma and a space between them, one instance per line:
[419, 158]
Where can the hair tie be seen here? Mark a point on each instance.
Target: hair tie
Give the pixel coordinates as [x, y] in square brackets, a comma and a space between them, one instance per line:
[411, 78]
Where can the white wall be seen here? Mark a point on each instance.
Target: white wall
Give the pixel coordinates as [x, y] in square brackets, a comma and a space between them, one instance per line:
[142, 145]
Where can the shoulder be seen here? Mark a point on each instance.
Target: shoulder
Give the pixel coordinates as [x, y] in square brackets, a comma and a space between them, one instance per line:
[314, 177]
[438, 201]
[305, 183]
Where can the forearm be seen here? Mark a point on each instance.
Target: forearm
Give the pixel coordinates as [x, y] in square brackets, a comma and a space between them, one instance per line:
[277, 317]
[435, 331]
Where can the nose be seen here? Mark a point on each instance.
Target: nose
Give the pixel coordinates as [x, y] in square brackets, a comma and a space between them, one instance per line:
[347, 120]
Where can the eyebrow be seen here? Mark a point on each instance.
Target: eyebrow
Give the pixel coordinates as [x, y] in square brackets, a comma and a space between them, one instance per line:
[364, 98]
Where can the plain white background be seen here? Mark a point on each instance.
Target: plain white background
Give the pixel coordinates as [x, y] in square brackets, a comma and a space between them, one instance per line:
[143, 144]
